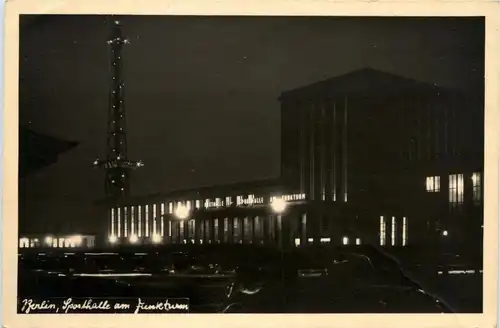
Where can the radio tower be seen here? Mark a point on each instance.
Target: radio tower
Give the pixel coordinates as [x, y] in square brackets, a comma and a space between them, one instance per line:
[117, 165]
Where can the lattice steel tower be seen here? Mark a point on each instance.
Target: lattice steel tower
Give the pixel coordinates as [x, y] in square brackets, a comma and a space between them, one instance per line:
[117, 165]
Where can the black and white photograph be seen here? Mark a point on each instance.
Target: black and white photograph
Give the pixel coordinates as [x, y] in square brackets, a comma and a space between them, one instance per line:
[205, 164]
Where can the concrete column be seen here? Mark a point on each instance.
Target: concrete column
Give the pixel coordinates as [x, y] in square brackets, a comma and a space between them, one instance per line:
[211, 226]
[221, 230]
[197, 222]
[303, 228]
[230, 229]
[253, 240]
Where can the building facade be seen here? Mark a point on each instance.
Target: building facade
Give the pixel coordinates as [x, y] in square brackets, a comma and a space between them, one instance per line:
[52, 241]
[366, 157]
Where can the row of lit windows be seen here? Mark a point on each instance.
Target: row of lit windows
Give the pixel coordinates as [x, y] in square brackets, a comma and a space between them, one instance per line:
[383, 231]
[456, 187]
[57, 242]
[172, 206]
[345, 241]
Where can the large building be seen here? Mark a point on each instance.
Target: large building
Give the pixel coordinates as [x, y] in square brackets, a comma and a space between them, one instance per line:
[366, 157]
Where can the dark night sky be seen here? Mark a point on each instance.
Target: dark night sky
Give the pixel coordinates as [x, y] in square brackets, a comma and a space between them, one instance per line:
[201, 93]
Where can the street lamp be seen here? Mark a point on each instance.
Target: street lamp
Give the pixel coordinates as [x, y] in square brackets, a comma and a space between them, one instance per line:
[278, 205]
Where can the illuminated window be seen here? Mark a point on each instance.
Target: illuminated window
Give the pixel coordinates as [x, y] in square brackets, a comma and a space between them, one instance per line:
[191, 228]
[188, 205]
[382, 231]
[236, 229]
[24, 243]
[228, 201]
[358, 241]
[202, 230]
[247, 228]
[170, 208]
[405, 231]
[258, 227]
[34, 242]
[393, 231]
[154, 219]
[476, 188]
[125, 222]
[217, 202]
[239, 200]
[226, 228]
[119, 222]
[198, 203]
[345, 241]
[146, 219]
[132, 219]
[181, 229]
[139, 223]
[433, 184]
[169, 228]
[456, 189]
[112, 222]
[162, 212]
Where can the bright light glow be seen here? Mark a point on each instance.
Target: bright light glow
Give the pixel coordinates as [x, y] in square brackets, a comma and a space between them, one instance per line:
[297, 242]
[112, 239]
[278, 205]
[49, 240]
[445, 233]
[345, 241]
[358, 241]
[181, 212]
[156, 239]
[77, 240]
[324, 240]
[133, 239]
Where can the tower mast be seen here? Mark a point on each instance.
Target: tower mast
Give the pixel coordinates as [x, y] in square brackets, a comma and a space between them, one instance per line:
[117, 165]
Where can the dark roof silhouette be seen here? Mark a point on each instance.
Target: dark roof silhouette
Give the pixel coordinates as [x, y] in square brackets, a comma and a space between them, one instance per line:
[222, 190]
[37, 150]
[361, 82]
